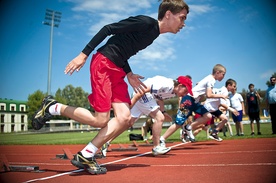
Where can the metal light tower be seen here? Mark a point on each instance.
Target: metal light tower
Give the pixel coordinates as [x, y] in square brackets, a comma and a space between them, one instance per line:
[52, 18]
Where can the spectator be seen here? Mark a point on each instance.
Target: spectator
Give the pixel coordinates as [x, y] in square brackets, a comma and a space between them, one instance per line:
[271, 103]
[237, 103]
[253, 110]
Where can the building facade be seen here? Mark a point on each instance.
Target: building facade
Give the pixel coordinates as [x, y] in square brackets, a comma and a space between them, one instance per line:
[13, 116]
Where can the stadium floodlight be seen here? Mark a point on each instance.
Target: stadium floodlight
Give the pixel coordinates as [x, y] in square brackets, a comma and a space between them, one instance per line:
[52, 18]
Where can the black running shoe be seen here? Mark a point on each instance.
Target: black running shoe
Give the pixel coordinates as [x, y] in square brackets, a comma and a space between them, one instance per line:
[215, 136]
[42, 114]
[89, 164]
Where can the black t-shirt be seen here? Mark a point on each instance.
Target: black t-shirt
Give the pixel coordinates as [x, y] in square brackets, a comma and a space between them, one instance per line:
[128, 37]
[252, 101]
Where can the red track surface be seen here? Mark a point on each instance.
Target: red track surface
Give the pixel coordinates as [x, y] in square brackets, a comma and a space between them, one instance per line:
[233, 161]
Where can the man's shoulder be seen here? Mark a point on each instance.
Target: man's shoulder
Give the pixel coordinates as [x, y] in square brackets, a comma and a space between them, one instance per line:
[145, 18]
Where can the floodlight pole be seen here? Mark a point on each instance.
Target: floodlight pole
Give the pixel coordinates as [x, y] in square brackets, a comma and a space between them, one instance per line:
[52, 18]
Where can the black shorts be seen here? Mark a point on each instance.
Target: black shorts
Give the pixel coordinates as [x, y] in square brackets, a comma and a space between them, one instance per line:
[254, 116]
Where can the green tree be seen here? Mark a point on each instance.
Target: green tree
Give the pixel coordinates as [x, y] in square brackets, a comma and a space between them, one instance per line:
[75, 96]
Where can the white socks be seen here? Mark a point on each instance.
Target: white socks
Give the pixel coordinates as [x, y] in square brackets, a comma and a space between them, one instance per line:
[89, 150]
[55, 109]
[162, 138]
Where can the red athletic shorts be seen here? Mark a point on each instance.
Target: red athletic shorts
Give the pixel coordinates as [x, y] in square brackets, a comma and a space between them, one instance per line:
[107, 83]
[210, 122]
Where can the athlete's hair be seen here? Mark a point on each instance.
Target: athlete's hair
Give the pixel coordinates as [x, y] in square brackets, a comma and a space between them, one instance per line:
[219, 67]
[174, 6]
[230, 82]
[250, 85]
[175, 83]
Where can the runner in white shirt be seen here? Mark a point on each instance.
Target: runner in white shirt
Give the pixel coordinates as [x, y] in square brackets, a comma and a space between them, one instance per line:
[204, 88]
[213, 104]
[151, 103]
[159, 88]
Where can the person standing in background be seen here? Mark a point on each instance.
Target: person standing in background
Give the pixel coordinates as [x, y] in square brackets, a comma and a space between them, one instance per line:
[252, 100]
[271, 103]
[237, 103]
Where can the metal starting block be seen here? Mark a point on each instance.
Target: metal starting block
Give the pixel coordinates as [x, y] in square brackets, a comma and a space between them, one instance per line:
[66, 155]
[147, 143]
[123, 148]
[6, 167]
[135, 144]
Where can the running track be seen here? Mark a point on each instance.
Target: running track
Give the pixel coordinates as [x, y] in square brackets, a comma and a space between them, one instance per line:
[229, 161]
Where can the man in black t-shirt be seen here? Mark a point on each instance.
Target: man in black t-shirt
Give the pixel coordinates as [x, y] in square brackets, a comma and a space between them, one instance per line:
[108, 68]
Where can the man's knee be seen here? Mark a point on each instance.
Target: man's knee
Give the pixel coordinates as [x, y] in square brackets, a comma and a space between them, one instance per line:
[207, 116]
[102, 119]
[124, 119]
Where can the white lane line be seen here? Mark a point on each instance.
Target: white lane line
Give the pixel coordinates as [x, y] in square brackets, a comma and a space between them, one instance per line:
[143, 154]
[80, 170]
[54, 176]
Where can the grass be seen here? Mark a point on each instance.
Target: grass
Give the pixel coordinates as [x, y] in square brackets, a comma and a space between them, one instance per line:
[85, 136]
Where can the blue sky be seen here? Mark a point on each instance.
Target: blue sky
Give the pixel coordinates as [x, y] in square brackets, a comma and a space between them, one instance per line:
[240, 34]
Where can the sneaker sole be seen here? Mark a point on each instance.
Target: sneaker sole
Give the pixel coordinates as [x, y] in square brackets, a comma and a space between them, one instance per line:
[158, 153]
[77, 164]
[38, 123]
[101, 170]
[213, 138]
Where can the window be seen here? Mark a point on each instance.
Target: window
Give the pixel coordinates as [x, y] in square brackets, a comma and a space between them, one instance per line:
[2, 107]
[2, 118]
[22, 107]
[12, 118]
[22, 118]
[12, 108]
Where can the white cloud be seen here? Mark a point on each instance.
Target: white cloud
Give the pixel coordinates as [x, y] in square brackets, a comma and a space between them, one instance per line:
[119, 6]
[157, 55]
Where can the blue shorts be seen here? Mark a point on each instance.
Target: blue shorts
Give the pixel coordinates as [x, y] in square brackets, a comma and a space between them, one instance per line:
[237, 118]
[187, 107]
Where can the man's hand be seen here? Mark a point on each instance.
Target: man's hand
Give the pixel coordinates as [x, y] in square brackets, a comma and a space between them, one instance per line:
[137, 85]
[75, 64]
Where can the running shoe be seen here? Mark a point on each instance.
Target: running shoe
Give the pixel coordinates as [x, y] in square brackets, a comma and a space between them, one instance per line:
[185, 137]
[104, 149]
[215, 136]
[88, 164]
[42, 115]
[189, 136]
[162, 143]
[158, 150]
[183, 140]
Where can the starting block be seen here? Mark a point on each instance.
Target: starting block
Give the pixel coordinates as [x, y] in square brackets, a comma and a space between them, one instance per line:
[6, 167]
[123, 148]
[147, 143]
[135, 144]
[66, 155]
